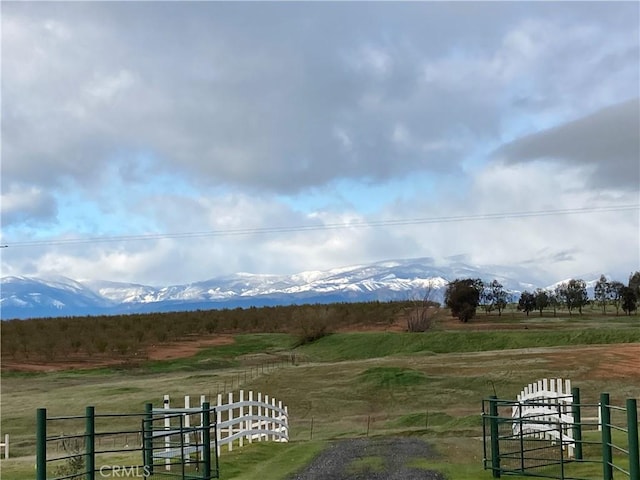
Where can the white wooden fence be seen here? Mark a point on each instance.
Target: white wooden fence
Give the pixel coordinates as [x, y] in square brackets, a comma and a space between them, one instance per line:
[5, 445]
[548, 406]
[254, 417]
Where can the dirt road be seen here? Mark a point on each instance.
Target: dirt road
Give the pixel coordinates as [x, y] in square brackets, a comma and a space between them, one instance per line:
[371, 459]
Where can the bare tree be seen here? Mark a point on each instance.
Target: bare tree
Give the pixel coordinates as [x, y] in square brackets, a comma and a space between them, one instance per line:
[423, 311]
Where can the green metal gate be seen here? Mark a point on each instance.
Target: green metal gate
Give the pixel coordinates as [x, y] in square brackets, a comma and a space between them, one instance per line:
[540, 445]
[146, 445]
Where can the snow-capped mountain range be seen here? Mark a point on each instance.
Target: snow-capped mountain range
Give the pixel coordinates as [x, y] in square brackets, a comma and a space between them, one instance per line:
[30, 297]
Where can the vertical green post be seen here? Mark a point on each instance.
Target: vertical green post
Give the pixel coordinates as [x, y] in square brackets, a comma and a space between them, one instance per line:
[206, 441]
[577, 423]
[607, 452]
[147, 432]
[632, 432]
[41, 444]
[215, 442]
[495, 443]
[182, 459]
[521, 432]
[90, 442]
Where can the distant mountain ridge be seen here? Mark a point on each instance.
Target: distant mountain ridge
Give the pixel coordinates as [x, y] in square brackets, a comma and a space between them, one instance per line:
[30, 297]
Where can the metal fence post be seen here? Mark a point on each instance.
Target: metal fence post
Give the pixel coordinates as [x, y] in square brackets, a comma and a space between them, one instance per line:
[607, 453]
[521, 432]
[90, 443]
[484, 435]
[577, 423]
[216, 448]
[495, 443]
[41, 444]
[632, 432]
[206, 441]
[182, 439]
[147, 433]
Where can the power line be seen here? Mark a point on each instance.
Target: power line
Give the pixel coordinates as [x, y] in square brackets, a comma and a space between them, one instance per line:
[327, 226]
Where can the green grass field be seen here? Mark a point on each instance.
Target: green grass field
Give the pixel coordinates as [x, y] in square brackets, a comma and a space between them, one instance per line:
[346, 385]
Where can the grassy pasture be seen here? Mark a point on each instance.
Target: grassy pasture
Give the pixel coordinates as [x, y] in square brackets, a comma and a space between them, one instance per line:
[351, 385]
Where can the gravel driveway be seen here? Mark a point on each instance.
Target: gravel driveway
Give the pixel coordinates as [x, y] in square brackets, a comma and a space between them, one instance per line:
[371, 459]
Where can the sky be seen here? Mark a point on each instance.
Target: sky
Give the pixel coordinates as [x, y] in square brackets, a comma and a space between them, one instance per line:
[172, 142]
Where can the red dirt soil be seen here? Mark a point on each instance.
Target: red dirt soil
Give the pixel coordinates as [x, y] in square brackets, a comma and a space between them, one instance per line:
[621, 360]
[187, 348]
[604, 361]
[167, 351]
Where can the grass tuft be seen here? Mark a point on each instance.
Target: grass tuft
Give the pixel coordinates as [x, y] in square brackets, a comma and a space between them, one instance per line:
[388, 377]
[365, 465]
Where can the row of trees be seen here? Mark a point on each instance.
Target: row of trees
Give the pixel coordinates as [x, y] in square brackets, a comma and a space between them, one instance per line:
[128, 337]
[617, 293]
[464, 296]
[573, 295]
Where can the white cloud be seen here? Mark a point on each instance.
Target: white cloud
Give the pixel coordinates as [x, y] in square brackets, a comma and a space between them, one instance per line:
[105, 88]
[400, 135]
[28, 204]
[371, 60]
[244, 111]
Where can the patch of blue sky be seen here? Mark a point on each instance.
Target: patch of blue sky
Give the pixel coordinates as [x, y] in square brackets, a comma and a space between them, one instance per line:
[75, 217]
[23, 231]
[475, 156]
[80, 216]
[366, 198]
[114, 206]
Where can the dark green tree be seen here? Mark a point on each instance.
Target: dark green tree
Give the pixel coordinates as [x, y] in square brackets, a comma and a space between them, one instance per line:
[486, 300]
[527, 302]
[634, 285]
[629, 300]
[616, 289]
[541, 299]
[574, 294]
[560, 295]
[601, 292]
[553, 302]
[499, 296]
[462, 296]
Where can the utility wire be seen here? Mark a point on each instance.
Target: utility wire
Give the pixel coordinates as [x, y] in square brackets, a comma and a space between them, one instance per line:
[326, 226]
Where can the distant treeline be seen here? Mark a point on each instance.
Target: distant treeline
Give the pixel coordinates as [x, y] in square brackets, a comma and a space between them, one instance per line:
[572, 295]
[464, 295]
[127, 336]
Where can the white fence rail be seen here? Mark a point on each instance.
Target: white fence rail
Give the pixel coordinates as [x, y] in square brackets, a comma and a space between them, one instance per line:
[254, 417]
[5, 445]
[544, 410]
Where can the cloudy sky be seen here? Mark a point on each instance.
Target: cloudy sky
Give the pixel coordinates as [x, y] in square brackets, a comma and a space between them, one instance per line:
[161, 142]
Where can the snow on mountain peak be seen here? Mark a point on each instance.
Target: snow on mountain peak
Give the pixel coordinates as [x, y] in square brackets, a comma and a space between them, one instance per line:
[24, 297]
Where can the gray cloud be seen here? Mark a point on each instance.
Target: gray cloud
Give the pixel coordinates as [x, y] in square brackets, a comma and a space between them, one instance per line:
[279, 96]
[28, 205]
[607, 140]
[188, 116]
